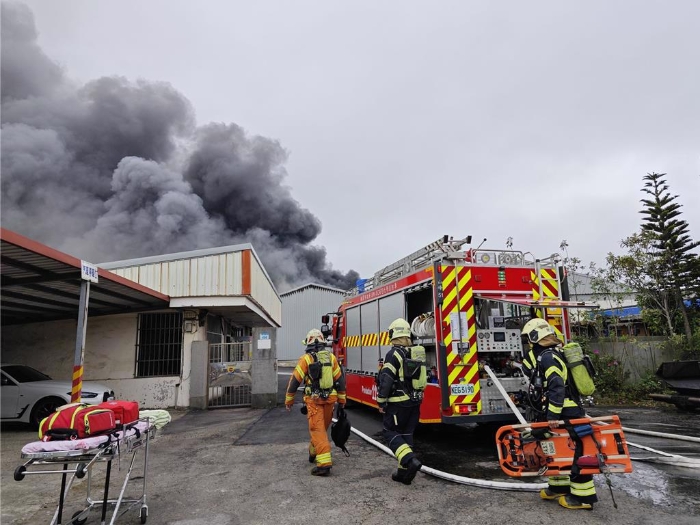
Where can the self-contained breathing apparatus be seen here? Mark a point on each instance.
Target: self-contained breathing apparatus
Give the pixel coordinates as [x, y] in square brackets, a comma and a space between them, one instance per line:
[414, 372]
[320, 373]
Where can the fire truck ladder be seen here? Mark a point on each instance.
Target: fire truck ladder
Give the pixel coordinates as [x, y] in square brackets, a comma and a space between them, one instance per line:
[423, 257]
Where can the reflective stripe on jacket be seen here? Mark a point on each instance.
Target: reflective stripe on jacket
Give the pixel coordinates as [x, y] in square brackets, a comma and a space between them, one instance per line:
[392, 388]
[555, 380]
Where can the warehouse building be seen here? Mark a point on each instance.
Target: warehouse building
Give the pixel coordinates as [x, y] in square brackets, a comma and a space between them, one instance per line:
[302, 309]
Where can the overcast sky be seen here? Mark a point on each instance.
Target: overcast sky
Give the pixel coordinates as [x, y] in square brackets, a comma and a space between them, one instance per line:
[407, 120]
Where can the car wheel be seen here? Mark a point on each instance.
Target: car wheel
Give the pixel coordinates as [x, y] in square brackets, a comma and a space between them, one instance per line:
[44, 408]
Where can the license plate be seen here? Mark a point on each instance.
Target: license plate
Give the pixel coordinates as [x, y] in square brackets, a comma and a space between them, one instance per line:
[466, 389]
[548, 448]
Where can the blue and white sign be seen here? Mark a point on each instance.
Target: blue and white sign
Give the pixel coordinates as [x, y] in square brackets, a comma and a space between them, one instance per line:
[88, 272]
[264, 335]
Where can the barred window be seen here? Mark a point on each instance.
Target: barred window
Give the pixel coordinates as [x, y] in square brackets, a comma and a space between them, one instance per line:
[159, 345]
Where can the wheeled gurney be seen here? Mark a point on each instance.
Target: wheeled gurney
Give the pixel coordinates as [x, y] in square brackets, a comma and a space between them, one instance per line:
[84, 454]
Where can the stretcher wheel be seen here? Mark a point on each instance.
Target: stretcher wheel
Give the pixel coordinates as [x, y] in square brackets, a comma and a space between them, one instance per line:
[143, 514]
[80, 471]
[78, 521]
[19, 472]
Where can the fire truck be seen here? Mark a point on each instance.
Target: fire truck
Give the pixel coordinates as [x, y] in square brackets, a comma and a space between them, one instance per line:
[466, 307]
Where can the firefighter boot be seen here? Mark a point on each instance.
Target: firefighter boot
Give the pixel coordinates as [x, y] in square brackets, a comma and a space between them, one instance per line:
[411, 470]
[312, 454]
[400, 476]
[320, 471]
[569, 502]
[547, 494]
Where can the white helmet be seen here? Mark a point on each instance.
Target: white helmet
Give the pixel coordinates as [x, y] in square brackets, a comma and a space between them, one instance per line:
[537, 329]
[313, 337]
[399, 328]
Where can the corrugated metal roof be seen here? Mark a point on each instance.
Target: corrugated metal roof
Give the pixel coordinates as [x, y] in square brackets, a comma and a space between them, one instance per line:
[43, 284]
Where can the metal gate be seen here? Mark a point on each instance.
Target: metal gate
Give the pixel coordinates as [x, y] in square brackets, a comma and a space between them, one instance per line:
[229, 375]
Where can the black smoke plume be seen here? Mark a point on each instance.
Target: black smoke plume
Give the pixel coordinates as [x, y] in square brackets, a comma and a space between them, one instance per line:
[116, 169]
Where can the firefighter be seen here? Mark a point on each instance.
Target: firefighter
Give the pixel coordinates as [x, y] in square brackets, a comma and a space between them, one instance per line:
[399, 403]
[563, 402]
[324, 384]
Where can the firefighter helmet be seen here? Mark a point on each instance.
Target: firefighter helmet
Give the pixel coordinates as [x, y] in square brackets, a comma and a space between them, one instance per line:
[399, 328]
[537, 329]
[314, 337]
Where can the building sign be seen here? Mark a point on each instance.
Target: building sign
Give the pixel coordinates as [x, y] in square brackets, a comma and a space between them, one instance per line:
[88, 271]
[264, 341]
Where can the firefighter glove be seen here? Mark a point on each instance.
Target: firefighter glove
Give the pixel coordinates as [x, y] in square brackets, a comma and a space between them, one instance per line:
[537, 433]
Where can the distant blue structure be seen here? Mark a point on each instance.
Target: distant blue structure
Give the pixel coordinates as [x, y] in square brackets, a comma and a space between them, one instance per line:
[360, 283]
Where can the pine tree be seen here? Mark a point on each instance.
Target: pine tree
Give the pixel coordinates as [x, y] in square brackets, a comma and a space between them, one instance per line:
[671, 242]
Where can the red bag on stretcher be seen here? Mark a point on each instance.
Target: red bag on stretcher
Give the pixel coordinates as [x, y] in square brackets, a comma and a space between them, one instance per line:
[77, 421]
[125, 412]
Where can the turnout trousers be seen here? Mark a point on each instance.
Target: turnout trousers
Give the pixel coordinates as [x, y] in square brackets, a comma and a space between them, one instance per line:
[320, 416]
[580, 487]
[399, 424]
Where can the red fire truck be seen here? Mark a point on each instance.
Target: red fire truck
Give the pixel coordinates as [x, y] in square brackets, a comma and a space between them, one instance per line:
[466, 307]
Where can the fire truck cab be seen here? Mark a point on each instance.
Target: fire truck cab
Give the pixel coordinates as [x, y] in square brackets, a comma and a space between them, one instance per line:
[466, 307]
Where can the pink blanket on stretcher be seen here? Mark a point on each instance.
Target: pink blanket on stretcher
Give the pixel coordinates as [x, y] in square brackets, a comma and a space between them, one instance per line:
[78, 444]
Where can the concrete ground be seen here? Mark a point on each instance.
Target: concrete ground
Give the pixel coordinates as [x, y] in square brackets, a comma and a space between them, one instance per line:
[245, 466]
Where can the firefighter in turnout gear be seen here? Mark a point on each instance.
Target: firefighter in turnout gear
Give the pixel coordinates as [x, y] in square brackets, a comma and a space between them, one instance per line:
[547, 367]
[324, 384]
[399, 402]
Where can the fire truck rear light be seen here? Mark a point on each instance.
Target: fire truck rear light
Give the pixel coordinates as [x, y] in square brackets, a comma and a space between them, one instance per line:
[465, 409]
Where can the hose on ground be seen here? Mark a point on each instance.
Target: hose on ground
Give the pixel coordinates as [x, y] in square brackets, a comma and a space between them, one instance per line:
[498, 485]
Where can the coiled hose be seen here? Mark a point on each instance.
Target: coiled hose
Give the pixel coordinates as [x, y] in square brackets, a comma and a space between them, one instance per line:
[424, 325]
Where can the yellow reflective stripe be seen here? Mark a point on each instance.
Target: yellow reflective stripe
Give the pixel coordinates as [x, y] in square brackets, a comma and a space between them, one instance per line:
[323, 459]
[558, 481]
[299, 371]
[396, 399]
[569, 403]
[390, 367]
[289, 397]
[554, 409]
[583, 489]
[554, 370]
[341, 397]
[402, 451]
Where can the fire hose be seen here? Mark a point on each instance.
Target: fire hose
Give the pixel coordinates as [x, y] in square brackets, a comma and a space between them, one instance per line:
[498, 485]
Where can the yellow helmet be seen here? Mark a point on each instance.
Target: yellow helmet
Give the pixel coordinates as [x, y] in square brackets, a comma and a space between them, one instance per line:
[537, 329]
[399, 328]
[313, 337]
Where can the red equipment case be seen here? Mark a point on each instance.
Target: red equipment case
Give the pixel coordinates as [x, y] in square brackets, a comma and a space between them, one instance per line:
[77, 421]
[125, 412]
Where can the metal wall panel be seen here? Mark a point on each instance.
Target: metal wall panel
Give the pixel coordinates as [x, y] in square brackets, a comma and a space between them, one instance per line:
[353, 354]
[208, 276]
[369, 320]
[264, 292]
[390, 308]
[302, 310]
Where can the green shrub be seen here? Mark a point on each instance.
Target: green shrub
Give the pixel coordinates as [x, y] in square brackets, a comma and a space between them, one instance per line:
[611, 376]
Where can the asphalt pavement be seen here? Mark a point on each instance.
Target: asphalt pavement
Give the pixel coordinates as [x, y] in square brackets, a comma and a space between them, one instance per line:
[246, 466]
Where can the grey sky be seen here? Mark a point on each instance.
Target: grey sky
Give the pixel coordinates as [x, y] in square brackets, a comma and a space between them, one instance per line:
[406, 120]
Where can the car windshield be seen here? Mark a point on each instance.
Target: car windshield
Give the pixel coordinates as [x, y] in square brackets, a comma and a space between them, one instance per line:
[24, 374]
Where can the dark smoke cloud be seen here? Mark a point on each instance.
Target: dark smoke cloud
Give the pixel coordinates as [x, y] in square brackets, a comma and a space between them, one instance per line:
[117, 169]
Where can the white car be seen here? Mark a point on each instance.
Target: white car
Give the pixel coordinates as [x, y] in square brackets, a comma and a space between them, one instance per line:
[28, 396]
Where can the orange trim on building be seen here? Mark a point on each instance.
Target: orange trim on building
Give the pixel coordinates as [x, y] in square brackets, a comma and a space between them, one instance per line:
[245, 267]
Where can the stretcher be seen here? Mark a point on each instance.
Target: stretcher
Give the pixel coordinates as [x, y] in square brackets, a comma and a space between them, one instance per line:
[78, 458]
[603, 448]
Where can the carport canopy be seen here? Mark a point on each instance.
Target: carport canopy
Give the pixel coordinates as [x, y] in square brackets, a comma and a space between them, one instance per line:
[40, 283]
